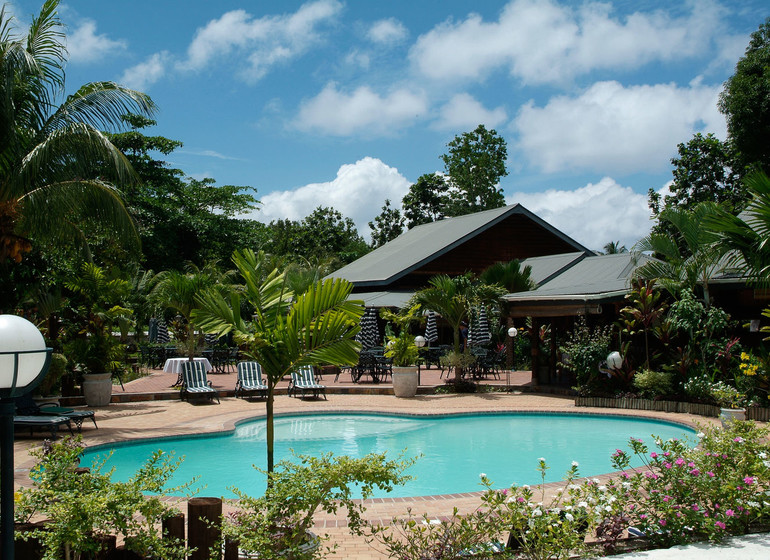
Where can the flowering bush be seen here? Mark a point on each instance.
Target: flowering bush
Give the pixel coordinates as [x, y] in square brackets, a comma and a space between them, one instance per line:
[726, 395]
[584, 349]
[683, 493]
[544, 528]
[753, 379]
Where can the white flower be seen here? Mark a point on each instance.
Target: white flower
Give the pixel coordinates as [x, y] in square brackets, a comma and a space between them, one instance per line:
[595, 480]
[612, 499]
[582, 504]
[525, 487]
[602, 488]
[607, 508]
[763, 455]
[537, 513]
[573, 486]
[569, 517]
[575, 463]
[700, 435]
[482, 475]
[542, 459]
[626, 485]
[766, 463]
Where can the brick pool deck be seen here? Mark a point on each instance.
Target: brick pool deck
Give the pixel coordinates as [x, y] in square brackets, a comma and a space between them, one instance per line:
[150, 408]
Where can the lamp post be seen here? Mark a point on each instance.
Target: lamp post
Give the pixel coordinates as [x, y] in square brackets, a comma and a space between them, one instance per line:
[24, 361]
[513, 333]
[419, 341]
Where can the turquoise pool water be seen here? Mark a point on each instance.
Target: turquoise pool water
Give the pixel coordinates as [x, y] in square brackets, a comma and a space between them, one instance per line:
[455, 449]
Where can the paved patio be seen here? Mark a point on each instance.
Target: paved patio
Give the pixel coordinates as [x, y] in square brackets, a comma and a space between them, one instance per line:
[155, 418]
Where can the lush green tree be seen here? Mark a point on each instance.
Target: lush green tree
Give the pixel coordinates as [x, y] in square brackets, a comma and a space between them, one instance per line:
[706, 169]
[283, 330]
[745, 101]
[181, 219]
[509, 275]
[426, 200]
[388, 225]
[676, 269]
[49, 152]
[475, 163]
[323, 235]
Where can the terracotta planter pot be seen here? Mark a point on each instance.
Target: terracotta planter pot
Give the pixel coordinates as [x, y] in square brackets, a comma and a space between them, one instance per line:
[405, 381]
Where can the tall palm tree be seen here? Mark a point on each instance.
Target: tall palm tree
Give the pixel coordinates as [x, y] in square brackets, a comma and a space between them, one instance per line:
[614, 248]
[747, 236]
[56, 166]
[509, 275]
[677, 268]
[284, 330]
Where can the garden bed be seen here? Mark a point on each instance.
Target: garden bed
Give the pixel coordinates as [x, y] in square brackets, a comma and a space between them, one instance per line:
[701, 409]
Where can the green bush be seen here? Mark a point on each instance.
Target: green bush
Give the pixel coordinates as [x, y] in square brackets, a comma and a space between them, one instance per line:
[585, 348]
[653, 383]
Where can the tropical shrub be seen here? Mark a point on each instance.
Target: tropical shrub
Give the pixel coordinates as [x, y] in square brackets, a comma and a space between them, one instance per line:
[726, 395]
[653, 383]
[84, 506]
[277, 524]
[585, 348]
[685, 493]
[753, 378]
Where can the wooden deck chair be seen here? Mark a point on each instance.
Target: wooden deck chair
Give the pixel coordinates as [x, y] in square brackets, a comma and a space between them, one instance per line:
[195, 381]
[303, 380]
[249, 380]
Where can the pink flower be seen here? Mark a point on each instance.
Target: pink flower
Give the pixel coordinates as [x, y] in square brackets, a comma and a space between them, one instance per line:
[739, 439]
[662, 522]
[679, 514]
[691, 464]
[695, 472]
[643, 516]
[666, 498]
[654, 455]
[749, 480]
[679, 462]
[719, 524]
[666, 454]
[711, 474]
[625, 475]
[695, 507]
[667, 465]
[729, 513]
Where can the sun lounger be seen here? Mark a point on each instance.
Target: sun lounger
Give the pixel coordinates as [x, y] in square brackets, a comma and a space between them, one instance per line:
[26, 406]
[50, 423]
[195, 381]
[303, 380]
[249, 380]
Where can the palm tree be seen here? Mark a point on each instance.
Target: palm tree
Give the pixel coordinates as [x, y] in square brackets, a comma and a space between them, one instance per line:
[284, 331]
[55, 163]
[179, 290]
[614, 248]
[747, 236]
[509, 276]
[679, 268]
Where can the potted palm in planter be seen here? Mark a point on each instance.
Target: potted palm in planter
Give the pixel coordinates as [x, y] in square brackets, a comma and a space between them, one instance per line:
[729, 401]
[403, 351]
[92, 347]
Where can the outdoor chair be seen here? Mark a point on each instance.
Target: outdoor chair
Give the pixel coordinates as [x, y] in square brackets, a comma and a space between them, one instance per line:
[195, 381]
[26, 406]
[249, 380]
[303, 380]
[50, 423]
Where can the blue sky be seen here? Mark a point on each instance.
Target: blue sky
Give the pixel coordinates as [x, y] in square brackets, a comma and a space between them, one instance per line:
[345, 104]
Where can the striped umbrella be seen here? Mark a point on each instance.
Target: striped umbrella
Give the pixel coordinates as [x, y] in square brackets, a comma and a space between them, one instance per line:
[369, 334]
[483, 336]
[210, 339]
[152, 330]
[163, 337]
[431, 331]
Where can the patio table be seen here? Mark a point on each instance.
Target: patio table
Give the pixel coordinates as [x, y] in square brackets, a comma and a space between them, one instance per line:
[174, 365]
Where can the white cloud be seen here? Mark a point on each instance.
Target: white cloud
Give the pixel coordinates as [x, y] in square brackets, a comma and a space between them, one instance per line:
[387, 31]
[146, 73]
[592, 215]
[358, 58]
[611, 128]
[85, 45]
[262, 42]
[463, 111]
[541, 41]
[363, 111]
[358, 192]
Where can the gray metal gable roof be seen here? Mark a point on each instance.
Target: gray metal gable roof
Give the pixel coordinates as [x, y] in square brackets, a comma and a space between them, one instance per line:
[592, 276]
[426, 242]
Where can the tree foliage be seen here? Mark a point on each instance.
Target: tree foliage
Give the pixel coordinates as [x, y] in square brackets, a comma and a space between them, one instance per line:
[745, 101]
[473, 166]
[49, 152]
[388, 225]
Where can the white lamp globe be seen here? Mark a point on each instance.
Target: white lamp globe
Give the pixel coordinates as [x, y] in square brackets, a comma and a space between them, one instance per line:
[419, 341]
[614, 360]
[513, 332]
[19, 335]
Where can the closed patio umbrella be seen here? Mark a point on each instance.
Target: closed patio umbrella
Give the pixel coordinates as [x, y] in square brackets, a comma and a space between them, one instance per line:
[431, 331]
[152, 330]
[483, 335]
[163, 337]
[369, 334]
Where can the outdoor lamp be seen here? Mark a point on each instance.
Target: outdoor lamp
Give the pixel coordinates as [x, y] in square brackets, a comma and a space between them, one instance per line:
[24, 361]
[513, 332]
[419, 341]
[614, 360]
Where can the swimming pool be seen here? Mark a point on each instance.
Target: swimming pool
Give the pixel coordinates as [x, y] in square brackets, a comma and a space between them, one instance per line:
[455, 448]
